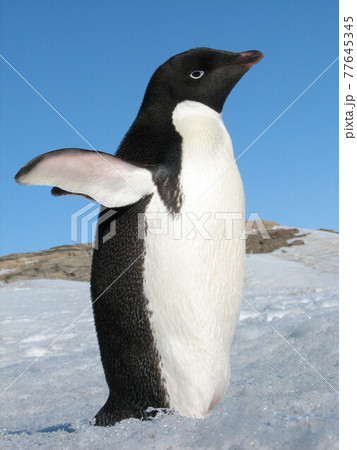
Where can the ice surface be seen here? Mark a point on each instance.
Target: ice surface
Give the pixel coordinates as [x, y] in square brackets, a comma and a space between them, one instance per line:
[283, 375]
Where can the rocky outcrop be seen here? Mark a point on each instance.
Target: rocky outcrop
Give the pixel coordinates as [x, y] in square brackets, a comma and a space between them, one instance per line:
[72, 262]
[328, 230]
[280, 237]
[67, 262]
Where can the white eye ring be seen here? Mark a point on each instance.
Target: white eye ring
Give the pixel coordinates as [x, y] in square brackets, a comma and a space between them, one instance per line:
[196, 74]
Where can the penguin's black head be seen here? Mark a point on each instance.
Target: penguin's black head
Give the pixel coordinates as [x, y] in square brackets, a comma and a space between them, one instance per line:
[203, 75]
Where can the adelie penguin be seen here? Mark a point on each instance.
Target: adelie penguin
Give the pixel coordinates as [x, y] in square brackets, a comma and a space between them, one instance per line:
[165, 303]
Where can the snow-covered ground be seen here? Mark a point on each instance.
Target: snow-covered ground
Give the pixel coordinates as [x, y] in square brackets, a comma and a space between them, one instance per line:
[284, 373]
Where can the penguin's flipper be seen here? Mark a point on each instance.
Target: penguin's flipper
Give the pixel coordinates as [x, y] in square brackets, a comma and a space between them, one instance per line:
[58, 192]
[104, 178]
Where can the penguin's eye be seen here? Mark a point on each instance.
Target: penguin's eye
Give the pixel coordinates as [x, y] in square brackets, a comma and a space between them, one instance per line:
[196, 74]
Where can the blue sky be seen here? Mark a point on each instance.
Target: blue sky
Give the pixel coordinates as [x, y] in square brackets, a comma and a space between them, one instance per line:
[92, 61]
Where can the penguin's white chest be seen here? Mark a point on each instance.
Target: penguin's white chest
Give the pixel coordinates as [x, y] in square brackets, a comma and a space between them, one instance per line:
[194, 264]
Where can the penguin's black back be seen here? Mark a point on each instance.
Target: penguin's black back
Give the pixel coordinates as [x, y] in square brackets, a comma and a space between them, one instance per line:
[130, 360]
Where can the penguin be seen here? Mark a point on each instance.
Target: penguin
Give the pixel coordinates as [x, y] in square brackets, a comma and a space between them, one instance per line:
[166, 299]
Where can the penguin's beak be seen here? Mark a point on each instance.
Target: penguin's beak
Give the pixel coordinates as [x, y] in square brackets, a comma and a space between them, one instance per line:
[248, 59]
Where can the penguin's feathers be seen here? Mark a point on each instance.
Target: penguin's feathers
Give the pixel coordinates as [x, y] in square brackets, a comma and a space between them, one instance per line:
[104, 178]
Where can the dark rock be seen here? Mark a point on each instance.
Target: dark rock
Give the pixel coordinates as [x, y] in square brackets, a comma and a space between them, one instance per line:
[329, 231]
[297, 242]
[272, 239]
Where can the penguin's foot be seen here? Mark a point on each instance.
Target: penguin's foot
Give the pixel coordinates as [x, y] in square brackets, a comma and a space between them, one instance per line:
[111, 413]
[106, 418]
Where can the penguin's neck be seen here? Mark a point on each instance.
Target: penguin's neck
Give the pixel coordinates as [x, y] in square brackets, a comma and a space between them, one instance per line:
[152, 139]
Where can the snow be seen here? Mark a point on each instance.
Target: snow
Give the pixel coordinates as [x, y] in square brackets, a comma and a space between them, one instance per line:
[283, 377]
[2, 272]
